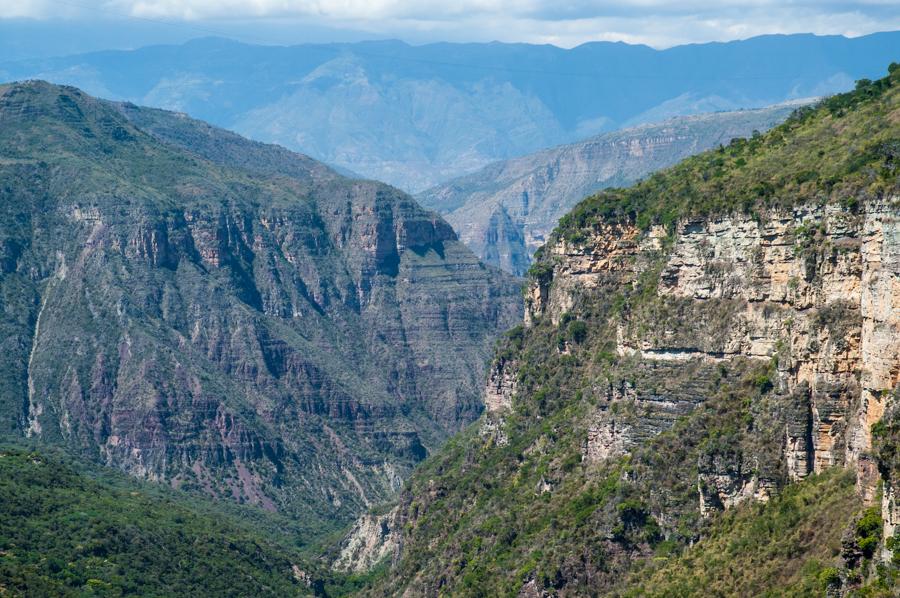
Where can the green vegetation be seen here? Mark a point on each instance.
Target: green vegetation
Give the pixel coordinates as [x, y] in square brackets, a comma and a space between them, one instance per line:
[577, 331]
[789, 546]
[868, 531]
[65, 531]
[847, 146]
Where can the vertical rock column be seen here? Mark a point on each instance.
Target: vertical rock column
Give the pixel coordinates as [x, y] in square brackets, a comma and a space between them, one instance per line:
[880, 343]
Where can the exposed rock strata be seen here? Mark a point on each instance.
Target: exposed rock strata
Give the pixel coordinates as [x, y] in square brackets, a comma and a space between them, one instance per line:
[814, 292]
[217, 314]
[372, 539]
[501, 386]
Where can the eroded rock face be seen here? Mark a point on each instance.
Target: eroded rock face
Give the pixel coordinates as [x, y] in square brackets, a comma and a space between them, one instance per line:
[606, 438]
[890, 513]
[814, 292]
[727, 479]
[498, 397]
[607, 259]
[501, 386]
[886, 438]
[372, 539]
[213, 313]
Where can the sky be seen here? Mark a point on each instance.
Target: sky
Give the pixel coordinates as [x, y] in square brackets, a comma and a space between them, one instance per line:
[566, 23]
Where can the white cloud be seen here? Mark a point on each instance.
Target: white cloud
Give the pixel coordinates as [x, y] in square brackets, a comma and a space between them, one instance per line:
[566, 23]
[10, 9]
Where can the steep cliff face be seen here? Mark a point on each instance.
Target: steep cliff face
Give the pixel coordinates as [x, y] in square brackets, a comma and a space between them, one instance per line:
[886, 441]
[814, 291]
[505, 211]
[198, 309]
[504, 243]
[722, 334]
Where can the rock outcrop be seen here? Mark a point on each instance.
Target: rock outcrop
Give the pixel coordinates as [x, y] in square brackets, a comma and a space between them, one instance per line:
[372, 539]
[814, 291]
[501, 386]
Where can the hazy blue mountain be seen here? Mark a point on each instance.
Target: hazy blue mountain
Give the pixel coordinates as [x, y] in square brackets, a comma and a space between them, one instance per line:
[418, 115]
[28, 38]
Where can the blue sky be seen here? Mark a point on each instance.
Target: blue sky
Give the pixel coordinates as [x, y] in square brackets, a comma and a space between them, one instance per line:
[561, 22]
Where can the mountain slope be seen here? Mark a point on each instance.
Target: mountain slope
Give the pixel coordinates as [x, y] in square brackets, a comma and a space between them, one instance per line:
[195, 308]
[418, 115]
[780, 548]
[701, 341]
[67, 531]
[505, 211]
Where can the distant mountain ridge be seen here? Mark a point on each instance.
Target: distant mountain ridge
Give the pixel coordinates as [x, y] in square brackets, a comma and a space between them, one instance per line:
[506, 210]
[415, 116]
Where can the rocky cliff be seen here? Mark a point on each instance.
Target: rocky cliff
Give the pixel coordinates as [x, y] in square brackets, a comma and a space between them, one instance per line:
[222, 315]
[506, 210]
[722, 335]
[813, 290]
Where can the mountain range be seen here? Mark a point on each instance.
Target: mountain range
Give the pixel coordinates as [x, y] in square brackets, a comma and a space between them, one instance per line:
[415, 116]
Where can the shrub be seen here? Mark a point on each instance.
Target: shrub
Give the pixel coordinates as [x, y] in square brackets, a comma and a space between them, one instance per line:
[868, 531]
[541, 272]
[577, 331]
[830, 577]
[763, 382]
